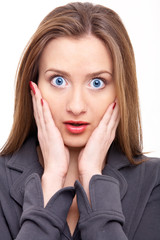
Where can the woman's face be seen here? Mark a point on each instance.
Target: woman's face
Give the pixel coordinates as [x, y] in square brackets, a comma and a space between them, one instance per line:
[75, 78]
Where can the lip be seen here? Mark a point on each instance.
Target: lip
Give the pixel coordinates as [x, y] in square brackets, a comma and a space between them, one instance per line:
[76, 129]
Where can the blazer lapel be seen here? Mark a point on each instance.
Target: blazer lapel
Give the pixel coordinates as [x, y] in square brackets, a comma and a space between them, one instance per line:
[19, 166]
[25, 162]
[115, 161]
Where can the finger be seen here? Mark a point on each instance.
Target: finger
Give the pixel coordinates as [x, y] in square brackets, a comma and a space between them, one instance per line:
[34, 107]
[107, 116]
[110, 127]
[38, 105]
[51, 129]
[115, 117]
[115, 111]
[38, 111]
[113, 124]
[48, 119]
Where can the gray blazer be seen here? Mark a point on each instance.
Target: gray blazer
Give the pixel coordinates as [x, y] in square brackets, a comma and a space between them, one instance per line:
[125, 201]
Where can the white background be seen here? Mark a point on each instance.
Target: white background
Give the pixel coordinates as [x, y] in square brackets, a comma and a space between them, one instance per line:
[19, 20]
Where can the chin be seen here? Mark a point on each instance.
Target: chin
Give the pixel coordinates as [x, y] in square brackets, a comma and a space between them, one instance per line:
[75, 142]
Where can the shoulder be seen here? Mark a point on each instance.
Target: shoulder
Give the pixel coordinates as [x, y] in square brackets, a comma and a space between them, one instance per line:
[146, 173]
[3, 165]
[150, 164]
[3, 162]
[152, 167]
[4, 186]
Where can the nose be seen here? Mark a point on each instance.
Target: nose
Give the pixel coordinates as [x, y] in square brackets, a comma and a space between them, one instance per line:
[76, 102]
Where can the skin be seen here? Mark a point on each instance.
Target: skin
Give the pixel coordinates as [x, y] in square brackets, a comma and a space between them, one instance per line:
[66, 156]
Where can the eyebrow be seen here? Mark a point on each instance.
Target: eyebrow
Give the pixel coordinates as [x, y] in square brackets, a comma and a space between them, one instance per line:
[64, 73]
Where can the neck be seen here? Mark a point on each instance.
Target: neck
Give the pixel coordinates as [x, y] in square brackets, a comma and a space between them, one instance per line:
[72, 173]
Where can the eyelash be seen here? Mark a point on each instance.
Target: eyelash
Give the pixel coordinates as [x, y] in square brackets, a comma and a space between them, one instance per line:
[100, 78]
[54, 76]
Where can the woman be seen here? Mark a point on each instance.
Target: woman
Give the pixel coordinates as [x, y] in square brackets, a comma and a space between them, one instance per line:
[72, 167]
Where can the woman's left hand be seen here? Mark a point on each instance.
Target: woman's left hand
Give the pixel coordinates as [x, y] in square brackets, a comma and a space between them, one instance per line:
[92, 158]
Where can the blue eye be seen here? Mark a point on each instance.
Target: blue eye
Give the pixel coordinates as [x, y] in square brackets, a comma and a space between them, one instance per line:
[58, 81]
[97, 83]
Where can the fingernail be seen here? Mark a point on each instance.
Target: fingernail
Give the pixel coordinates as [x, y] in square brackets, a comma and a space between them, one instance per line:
[32, 87]
[114, 105]
[42, 102]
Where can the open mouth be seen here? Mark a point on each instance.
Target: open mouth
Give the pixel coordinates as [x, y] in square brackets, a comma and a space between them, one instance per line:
[76, 126]
[76, 123]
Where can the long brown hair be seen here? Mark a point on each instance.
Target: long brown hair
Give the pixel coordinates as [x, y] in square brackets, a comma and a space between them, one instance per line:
[76, 20]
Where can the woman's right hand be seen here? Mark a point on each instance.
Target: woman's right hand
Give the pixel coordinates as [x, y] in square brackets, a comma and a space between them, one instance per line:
[55, 154]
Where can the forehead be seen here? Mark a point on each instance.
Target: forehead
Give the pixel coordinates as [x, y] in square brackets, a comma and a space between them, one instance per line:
[83, 53]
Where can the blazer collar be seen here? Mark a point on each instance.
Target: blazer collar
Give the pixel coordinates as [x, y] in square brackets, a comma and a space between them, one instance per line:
[116, 160]
[19, 166]
[116, 157]
[25, 162]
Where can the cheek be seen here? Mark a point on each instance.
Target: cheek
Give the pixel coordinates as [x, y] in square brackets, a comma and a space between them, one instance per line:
[100, 104]
[99, 114]
[55, 105]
